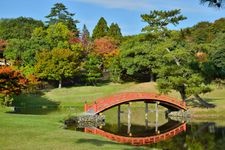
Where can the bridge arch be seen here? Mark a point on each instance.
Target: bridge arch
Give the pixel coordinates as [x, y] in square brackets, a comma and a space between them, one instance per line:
[105, 103]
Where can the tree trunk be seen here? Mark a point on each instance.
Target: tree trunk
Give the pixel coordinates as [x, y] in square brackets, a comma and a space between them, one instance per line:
[203, 102]
[183, 93]
[152, 77]
[60, 84]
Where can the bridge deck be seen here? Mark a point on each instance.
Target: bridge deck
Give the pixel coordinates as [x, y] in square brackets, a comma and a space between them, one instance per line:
[105, 103]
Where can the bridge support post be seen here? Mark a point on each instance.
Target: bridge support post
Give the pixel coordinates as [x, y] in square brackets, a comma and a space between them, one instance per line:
[118, 115]
[146, 115]
[156, 116]
[129, 118]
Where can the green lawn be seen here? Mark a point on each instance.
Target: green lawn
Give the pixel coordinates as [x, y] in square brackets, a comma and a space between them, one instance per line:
[45, 130]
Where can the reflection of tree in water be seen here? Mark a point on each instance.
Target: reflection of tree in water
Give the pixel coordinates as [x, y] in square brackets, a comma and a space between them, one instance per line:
[34, 104]
[204, 136]
[199, 137]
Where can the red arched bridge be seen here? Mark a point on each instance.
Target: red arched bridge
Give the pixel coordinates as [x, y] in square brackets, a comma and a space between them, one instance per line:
[105, 103]
[139, 140]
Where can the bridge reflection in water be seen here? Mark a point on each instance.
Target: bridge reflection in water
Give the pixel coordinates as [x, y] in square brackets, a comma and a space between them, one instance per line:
[147, 134]
[167, 131]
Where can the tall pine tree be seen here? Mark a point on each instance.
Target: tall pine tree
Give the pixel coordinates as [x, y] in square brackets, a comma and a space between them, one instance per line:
[100, 29]
[59, 13]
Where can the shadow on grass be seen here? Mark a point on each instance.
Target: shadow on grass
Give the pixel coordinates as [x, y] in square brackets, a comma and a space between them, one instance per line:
[33, 104]
[195, 103]
[100, 143]
[96, 142]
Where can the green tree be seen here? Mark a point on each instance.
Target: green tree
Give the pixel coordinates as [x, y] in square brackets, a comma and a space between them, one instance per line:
[114, 31]
[58, 35]
[115, 69]
[202, 33]
[101, 29]
[57, 64]
[174, 71]
[22, 52]
[18, 28]
[92, 68]
[136, 57]
[217, 56]
[59, 13]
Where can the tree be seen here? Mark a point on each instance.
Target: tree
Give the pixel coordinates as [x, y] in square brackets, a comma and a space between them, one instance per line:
[217, 56]
[115, 69]
[114, 31]
[159, 20]
[18, 28]
[11, 82]
[59, 13]
[174, 71]
[22, 52]
[92, 68]
[136, 57]
[85, 36]
[58, 35]
[57, 64]
[107, 48]
[202, 33]
[101, 29]
[14, 50]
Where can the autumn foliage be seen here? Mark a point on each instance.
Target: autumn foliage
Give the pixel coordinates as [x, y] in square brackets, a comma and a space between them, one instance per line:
[106, 46]
[11, 81]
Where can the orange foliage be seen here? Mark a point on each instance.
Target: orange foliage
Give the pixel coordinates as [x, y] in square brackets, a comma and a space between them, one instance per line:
[11, 81]
[105, 46]
[201, 56]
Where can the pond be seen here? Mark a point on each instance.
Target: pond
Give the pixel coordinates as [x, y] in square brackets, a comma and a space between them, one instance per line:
[163, 134]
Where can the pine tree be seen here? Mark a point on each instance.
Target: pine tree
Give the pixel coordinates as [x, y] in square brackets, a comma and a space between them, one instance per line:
[59, 13]
[100, 29]
[114, 31]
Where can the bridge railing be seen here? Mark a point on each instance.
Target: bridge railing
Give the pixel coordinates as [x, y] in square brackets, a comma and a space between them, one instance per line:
[104, 103]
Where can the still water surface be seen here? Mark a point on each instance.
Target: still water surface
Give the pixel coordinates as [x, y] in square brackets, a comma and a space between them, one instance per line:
[195, 135]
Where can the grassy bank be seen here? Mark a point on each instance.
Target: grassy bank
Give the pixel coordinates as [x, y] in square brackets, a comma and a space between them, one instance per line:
[45, 130]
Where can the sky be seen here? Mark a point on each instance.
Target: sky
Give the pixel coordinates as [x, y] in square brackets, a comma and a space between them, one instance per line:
[126, 13]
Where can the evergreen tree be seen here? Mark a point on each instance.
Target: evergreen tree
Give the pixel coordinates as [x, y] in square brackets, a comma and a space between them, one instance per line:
[114, 31]
[59, 13]
[93, 68]
[100, 29]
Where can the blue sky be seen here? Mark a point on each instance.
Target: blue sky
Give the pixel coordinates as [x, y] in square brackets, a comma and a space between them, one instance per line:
[124, 12]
